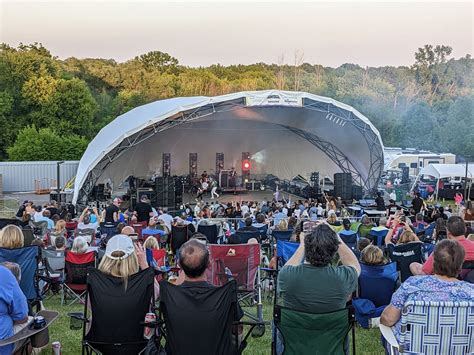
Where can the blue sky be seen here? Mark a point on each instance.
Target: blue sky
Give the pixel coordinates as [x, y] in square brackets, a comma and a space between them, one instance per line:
[372, 33]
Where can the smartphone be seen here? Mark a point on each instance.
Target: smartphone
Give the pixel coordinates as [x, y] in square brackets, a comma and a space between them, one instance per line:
[134, 237]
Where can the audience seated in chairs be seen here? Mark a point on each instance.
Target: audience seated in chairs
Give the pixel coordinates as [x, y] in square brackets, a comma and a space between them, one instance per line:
[378, 234]
[442, 285]
[79, 246]
[407, 250]
[456, 229]
[365, 227]
[196, 302]
[348, 236]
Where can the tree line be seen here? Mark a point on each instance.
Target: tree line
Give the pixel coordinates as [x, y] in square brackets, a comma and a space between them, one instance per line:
[51, 108]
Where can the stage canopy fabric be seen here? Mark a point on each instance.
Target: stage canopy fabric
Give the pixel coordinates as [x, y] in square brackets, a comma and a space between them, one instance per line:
[442, 171]
[286, 134]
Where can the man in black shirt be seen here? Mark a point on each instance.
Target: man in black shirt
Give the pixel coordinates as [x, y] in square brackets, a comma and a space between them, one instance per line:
[112, 212]
[143, 209]
[380, 202]
[248, 226]
[417, 203]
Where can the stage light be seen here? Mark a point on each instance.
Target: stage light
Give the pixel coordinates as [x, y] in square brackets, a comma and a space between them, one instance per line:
[246, 180]
[246, 165]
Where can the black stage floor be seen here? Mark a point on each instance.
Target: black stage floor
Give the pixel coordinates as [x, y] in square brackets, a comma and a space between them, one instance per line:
[242, 197]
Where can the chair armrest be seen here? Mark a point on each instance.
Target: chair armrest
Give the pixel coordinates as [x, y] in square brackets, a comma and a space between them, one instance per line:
[388, 335]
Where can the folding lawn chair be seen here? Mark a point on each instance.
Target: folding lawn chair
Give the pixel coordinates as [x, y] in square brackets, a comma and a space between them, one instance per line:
[139, 227]
[40, 229]
[202, 322]
[376, 287]
[54, 264]
[241, 263]
[433, 328]
[244, 237]
[118, 313]
[299, 332]
[28, 259]
[282, 235]
[404, 255]
[6, 221]
[210, 231]
[28, 236]
[349, 238]
[76, 275]
[179, 236]
[377, 236]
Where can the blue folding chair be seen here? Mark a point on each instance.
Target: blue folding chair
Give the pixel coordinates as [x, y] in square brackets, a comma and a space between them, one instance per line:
[376, 287]
[282, 235]
[27, 258]
[378, 236]
[285, 250]
[429, 230]
[349, 238]
[263, 231]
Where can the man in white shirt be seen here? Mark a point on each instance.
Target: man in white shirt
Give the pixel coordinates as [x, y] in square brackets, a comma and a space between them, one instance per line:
[244, 208]
[166, 218]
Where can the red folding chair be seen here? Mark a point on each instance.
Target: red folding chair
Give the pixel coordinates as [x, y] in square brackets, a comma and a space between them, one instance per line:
[76, 274]
[159, 255]
[240, 262]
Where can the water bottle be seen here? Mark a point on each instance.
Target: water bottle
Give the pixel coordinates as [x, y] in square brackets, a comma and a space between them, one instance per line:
[229, 274]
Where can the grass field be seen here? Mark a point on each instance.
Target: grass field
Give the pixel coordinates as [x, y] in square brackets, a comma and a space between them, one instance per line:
[367, 341]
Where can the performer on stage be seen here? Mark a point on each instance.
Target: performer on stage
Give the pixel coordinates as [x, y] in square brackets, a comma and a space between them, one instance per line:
[204, 182]
[214, 189]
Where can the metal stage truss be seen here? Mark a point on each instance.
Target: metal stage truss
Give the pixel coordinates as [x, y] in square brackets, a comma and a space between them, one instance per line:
[336, 114]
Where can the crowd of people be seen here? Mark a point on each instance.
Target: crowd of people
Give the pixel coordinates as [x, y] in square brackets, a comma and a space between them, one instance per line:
[430, 244]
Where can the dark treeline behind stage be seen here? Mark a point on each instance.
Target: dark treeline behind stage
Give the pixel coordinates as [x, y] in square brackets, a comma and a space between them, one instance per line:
[50, 108]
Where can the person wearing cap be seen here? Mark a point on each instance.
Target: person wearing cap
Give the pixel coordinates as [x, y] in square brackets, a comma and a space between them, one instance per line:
[143, 210]
[123, 258]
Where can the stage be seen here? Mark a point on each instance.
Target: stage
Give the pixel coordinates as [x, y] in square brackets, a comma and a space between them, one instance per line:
[245, 196]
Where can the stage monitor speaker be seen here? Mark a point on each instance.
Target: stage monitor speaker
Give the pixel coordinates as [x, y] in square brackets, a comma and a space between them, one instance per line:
[224, 179]
[169, 192]
[166, 164]
[343, 185]
[405, 174]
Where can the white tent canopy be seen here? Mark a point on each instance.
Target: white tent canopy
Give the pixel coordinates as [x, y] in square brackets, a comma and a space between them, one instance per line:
[286, 133]
[442, 171]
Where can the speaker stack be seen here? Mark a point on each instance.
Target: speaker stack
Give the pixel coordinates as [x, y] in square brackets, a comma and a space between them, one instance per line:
[169, 192]
[343, 185]
[405, 174]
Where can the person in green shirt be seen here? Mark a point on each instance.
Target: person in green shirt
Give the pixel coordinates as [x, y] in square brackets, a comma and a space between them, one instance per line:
[308, 282]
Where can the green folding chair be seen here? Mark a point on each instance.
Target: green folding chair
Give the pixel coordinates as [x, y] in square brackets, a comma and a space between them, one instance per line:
[312, 333]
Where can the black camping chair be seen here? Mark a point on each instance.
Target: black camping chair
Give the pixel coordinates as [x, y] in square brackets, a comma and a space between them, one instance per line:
[244, 237]
[202, 319]
[179, 236]
[210, 231]
[118, 313]
[404, 255]
[28, 236]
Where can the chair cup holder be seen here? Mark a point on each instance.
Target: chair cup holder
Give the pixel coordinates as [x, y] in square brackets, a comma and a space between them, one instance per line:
[75, 320]
[40, 339]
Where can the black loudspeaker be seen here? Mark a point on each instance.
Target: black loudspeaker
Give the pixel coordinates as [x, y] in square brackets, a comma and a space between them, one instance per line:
[405, 175]
[343, 185]
[357, 192]
[166, 164]
[169, 192]
[193, 168]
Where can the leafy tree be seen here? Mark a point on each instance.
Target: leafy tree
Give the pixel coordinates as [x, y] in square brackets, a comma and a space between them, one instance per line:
[160, 61]
[46, 144]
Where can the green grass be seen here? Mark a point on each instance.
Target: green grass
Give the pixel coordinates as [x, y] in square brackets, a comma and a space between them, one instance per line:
[367, 341]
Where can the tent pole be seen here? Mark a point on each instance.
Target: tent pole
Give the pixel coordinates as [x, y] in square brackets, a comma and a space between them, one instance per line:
[437, 190]
[465, 181]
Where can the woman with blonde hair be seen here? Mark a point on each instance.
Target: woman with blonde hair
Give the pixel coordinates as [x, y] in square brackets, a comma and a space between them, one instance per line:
[372, 255]
[151, 243]
[283, 225]
[123, 258]
[59, 230]
[79, 246]
[11, 237]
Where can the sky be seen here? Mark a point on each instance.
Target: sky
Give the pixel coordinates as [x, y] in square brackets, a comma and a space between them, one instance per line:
[370, 33]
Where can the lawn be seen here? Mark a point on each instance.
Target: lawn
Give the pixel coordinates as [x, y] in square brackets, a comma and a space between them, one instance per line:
[367, 341]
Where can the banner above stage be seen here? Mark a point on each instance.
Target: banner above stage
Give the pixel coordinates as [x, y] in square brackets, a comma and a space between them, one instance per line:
[275, 99]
